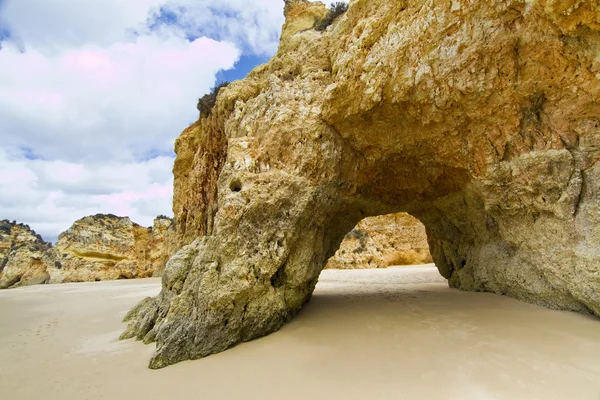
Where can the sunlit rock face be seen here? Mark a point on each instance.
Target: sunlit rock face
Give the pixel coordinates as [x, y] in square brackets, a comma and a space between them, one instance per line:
[94, 248]
[383, 241]
[107, 247]
[22, 254]
[481, 119]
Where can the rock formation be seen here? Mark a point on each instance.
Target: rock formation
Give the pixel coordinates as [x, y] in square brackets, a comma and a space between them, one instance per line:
[383, 241]
[481, 119]
[163, 243]
[22, 254]
[94, 248]
[103, 247]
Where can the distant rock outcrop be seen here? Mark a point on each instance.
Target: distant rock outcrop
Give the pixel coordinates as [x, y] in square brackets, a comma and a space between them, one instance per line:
[22, 256]
[103, 247]
[383, 241]
[94, 248]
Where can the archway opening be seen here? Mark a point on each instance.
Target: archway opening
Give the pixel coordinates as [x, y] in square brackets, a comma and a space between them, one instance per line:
[383, 241]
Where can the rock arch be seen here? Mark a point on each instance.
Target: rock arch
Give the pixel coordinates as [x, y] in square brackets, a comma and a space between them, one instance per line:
[481, 119]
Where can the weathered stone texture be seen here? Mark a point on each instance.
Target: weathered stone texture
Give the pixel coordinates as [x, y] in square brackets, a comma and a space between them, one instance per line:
[383, 241]
[480, 118]
[102, 247]
[21, 256]
[163, 244]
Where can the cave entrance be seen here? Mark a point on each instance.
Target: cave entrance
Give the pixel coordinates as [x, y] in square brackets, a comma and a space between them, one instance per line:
[383, 241]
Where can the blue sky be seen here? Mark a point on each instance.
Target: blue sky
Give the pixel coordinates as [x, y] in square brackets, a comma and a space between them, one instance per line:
[242, 67]
[93, 94]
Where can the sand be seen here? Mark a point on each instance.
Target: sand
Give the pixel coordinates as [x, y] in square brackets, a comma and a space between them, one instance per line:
[399, 333]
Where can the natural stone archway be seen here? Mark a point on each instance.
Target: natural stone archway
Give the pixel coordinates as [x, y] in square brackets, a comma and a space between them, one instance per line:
[481, 119]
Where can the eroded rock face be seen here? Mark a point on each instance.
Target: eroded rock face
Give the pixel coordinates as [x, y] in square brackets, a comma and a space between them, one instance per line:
[383, 241]
[481, 119]
[22, 254]
[94, 248]
[103, 247]
[163, 244]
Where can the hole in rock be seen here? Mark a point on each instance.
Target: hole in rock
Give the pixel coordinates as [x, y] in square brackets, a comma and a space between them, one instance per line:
[235, 185]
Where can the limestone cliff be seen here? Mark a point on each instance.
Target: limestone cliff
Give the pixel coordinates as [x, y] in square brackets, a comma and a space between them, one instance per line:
[94, 248]
[383, 241]
[479, 118]
[21, 256]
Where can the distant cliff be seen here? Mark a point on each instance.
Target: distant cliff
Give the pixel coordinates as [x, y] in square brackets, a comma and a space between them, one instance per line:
[94, 248]
[383, 241]
[22, 255]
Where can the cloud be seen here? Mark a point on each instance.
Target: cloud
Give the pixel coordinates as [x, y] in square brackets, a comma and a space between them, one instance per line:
[252, 25]
[52, 25]
[118, 101]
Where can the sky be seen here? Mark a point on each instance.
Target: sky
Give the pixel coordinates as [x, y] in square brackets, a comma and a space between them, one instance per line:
[93, 94]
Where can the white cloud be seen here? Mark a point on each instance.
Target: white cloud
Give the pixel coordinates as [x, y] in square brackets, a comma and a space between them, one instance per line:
[116, 101]
[56, 24]
[251, 24]
[53, 24]
[93, 94]
[51, 195]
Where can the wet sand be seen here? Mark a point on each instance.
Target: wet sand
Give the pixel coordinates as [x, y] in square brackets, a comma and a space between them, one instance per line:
[399, 333]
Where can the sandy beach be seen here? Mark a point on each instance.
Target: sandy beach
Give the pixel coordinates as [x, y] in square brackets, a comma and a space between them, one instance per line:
[399, 333]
